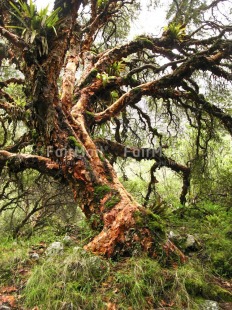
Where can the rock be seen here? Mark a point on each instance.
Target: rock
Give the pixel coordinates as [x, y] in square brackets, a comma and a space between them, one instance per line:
[171, 235]
[191, 243]
[54, 249]
[67, 306]
[34, 256]
[210, 305]
[67, 240]
[2, 307]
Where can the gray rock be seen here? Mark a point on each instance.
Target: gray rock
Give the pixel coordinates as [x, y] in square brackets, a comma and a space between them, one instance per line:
[190, 242]
[67, 240]
[34, 256]
[171, 235]
[54, 249]
[67, 306]
[210, 305]
[2, 307]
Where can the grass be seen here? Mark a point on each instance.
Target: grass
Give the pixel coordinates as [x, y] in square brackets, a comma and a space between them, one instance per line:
[72, 279]
[79, 280]
[13, 258]
[211, 224]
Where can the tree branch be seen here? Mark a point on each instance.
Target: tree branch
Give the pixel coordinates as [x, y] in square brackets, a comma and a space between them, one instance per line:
[139, 154]
[11, 80]
[21, 162]
[19, 144]
[13, 110]
[13, 38]
[184, 71]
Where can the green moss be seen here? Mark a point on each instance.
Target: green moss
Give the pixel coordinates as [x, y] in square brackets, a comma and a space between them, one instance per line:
[152, 221]
[96, 222]
[112, 201]
[222, 262]
[73, 143]
[34, 134]
[72, 140]
[197, 286]
[93, 73]
[131, 80]
[144, 40]
[136, 91]
[217, 293]
[90, 114]
[155, 223]
[100, 191]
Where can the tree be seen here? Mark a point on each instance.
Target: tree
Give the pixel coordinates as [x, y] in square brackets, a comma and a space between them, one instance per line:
[84, 91]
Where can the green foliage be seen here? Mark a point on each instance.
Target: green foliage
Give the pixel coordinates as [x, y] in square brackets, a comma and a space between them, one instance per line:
[74, 143]
[79, 279]
[12, 258]
[100, 191]
[139, 281]
[212, 225]
[113, 71]
[104, 77]
[16, 91]
[175, 31]
[114, 95]
[35, 24]
[33, 202]
[112, 201]
[101, 3]
[69, 280]
[116, 68]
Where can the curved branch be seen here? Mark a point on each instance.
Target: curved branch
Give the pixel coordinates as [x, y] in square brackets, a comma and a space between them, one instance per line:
[22, 142]
[21, 162]
[13, 38]
[154, 68]
[13, 110]
[184, 71]
[139, 154]
[11, 80]
[117, 53]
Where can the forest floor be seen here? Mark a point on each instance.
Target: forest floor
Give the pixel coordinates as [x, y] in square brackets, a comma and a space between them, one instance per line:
[71, 278]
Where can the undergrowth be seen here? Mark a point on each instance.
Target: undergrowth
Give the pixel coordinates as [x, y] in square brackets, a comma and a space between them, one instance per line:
[76, 279]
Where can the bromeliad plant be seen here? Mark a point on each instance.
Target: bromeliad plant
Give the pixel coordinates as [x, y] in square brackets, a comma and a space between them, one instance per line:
[116, 68]
[175, 31]
[35, 24]
[101, 3]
